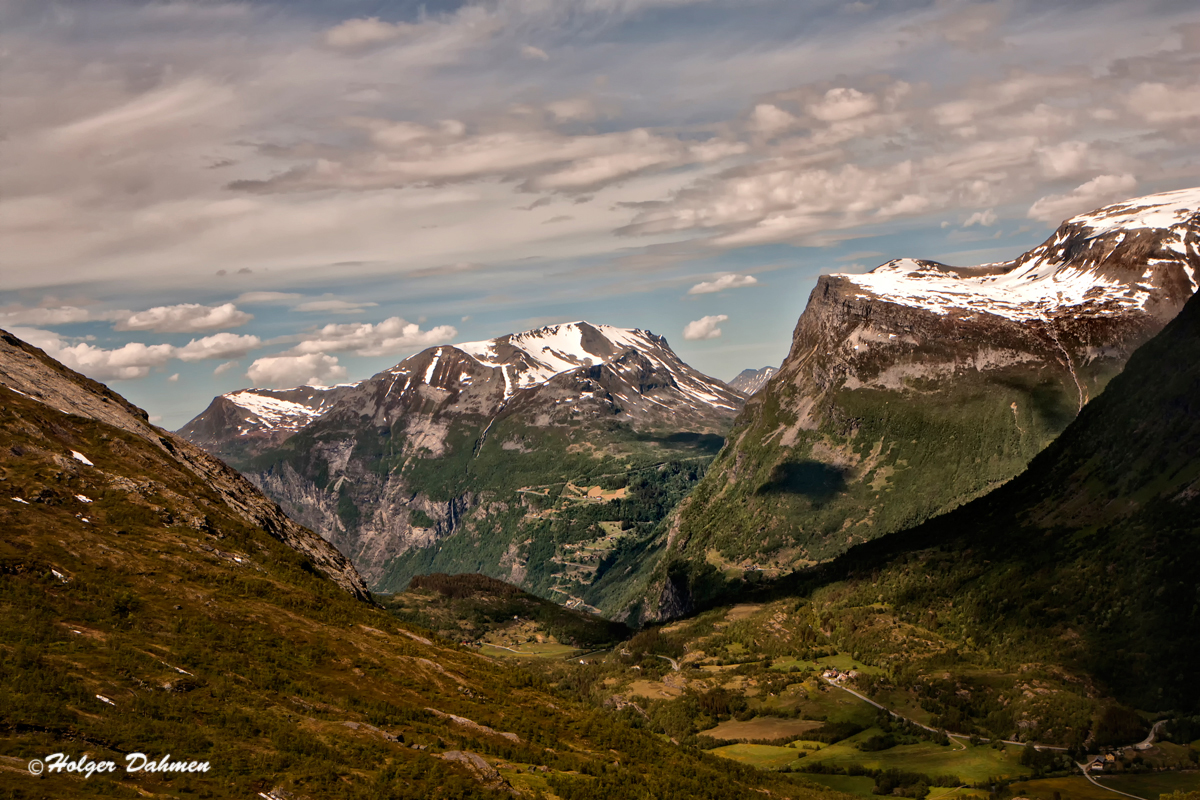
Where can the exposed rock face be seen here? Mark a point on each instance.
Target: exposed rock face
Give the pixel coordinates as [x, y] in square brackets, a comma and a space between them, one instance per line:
[449, 442]
[751, 381]
[29, 371]
[918, 386]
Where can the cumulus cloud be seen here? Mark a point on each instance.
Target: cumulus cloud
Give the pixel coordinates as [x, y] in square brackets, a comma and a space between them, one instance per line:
[704, 328]
[223, 368]
[185, 318]
[220, 345]
[843, 103]
[130, 362]
[174, 378]
[315, 369]
[720, 284]
[534, 53]
[1096, 192]
[390, 337]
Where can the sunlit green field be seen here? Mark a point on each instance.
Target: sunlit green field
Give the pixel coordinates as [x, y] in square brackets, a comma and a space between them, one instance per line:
[761, 728]
[532, 650]
[758, 755]
[1150, 785]
[972, 765]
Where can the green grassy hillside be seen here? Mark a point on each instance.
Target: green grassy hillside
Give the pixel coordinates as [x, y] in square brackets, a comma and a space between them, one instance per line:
[140, 613]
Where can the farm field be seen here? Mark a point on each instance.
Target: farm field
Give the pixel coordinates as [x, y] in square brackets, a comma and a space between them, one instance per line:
[972, 765]
[761, 728]
[762, 756]
[532, 650]
[1150, 785]
[1073, 788]
[859, 785]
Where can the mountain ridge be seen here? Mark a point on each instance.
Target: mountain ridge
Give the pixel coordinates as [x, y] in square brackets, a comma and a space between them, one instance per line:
[491, 436]
[907, 393]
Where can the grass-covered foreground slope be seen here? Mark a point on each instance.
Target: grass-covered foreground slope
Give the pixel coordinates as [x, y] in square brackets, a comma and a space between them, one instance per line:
[141, 612]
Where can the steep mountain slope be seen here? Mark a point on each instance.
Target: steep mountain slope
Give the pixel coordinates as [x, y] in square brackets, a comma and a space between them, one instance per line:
[1087, 559]
[529, 457]
[750, 381]
[143, 610]
[28, 372]
[917, 387]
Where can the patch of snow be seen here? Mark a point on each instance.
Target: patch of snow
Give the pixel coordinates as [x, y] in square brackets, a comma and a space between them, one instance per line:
[19, 500]
[83, 498]
[433, 366]
[272, 413]
[104, 699]
[81, 458]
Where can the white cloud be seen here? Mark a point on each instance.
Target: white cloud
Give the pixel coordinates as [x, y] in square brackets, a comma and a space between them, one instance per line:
[841, 104]
[174, 378]
[770, 119]
[336, 306]
[284, 371]
[130, 362]
[720, 284]
[704, 328]
[220, 345]
[358, 33]
[223, 368]
[985, 218]
[60, 315]
[1096, 192]
[534, 53]
[390, 337]
[1159, 103]
[185, 318]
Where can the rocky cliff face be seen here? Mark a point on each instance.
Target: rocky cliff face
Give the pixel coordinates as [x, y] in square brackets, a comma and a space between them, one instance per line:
[918, 386]
[469, 457]
[33, 375]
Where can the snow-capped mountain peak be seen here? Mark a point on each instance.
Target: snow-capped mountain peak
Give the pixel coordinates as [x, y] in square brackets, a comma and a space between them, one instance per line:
[1118, 259]
[534, 357]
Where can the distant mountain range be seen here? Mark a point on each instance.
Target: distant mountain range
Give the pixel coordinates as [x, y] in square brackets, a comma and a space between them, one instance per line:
[918, 386]
[750, 381]
[510, 456]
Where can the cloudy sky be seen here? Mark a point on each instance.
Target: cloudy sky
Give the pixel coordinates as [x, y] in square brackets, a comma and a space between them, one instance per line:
[200, 196]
